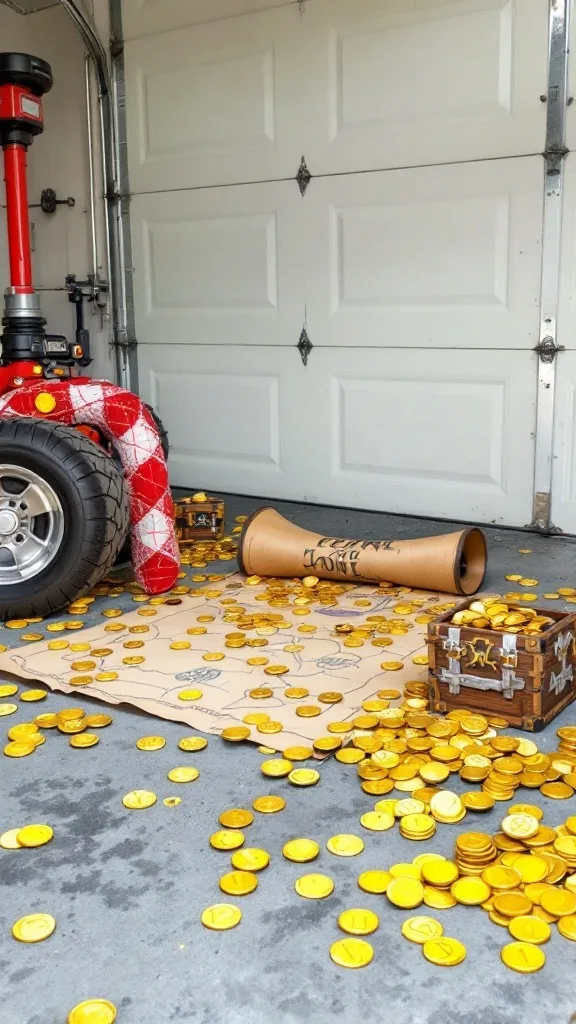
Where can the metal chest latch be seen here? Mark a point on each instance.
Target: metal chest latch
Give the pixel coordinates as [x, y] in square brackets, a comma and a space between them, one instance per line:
[507, 685]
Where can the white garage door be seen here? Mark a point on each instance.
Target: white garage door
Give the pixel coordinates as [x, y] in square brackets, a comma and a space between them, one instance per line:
[411, 263]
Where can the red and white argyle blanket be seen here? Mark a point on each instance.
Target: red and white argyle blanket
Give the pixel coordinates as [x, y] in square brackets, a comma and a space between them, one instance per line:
[123, 419]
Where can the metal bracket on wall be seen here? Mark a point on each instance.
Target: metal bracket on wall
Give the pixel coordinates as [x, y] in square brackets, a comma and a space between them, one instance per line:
[547, 349]
[49, 201]
[304, 346]
[303, 176]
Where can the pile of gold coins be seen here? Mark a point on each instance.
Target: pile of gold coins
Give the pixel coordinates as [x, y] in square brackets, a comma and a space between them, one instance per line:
[25, 737]
[496, 613]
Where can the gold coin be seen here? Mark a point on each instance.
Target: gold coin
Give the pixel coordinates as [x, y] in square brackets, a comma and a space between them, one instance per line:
[530, 867]
[196, 630]
[304, 777]
[501, 878]
[221, 916]
[276, 670]
[377, 821]
[438, 899]
[9, 840]
[19, 748]
[512, 904]
[566, 925]
[190, 695]
[260, 693]
[523, 957]
[420, 659]
[134, 659]
[33, 695]
[300, 850]
[257, 661]
[151, 743]
[308, 711]
[8, 690]
[557, 790]
[55, 627]
[7, 709]
[529, 929]
[470, 890]
[79, 647]
[139, 799]
[86, 739]
[235, 733]
[226, 839]
[421, 929]
[298, 753]
[238, 883]
[85, 665]
[256, 718]
[327, 744]
[358, 922]
[314, 887]
[250, 859]
[22, 731]
[105, 677]
[97, 721]
[349, 755]
[439, 873]
[391, 666]
[80, 680]
[269, 804]
[520, 826]
[268, 727]
[374, 881]
[560, 902]
[236, 817]
[351, 952]
[16, 623]
[184, 774]
[277, 767]
[405, 892]
[180, 645]
[296, 692]
[35, 835]
[330, 697]
[33, 927]
[96, 652]
[72, 725]
[93, 1011]
[345, 845]
[192, 743]
[445, 952]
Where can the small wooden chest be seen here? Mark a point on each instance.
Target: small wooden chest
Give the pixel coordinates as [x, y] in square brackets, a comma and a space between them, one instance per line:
[527, 679]
[198, 517]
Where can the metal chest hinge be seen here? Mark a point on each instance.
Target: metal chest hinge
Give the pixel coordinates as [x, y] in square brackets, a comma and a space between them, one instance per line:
[303, 177]
[547, 349]
[304, 346]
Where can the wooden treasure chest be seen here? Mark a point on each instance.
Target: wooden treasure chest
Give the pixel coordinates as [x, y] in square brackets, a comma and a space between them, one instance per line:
[516, 663]
[198, 517]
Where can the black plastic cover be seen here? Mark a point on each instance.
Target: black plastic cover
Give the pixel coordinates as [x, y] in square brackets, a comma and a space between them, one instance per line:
[23, 69]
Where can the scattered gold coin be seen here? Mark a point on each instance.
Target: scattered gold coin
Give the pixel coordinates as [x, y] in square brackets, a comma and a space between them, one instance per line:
[35, 835]
[9, 840]
[304, 777]
[139, 799]
[33, 927]
[250, 859]
[523, 957]
[314, 886]
[358, 922]
[300, 850]
[236, 817]
[151, 743]
[85, 739]
[345, 845]
[226, 839]
[190, 695]
[238, 883]
[351, 952]
[221, 916]
[93, 1011]
[269, 804]
[192, 743]
[184, 774]
[445, 952]
[33, 695]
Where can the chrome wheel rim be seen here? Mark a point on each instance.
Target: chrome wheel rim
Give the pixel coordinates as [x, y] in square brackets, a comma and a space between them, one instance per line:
[31, 524]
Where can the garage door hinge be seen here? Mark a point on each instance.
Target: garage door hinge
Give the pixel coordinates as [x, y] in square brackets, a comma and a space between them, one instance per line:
[304, 346]
[303, 176]
[547, 349]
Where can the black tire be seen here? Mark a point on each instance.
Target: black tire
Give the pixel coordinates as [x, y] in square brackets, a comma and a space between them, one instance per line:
[94, 502]
[162, 432]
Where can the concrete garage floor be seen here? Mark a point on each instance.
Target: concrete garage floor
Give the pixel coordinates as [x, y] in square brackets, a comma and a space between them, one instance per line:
[127, 888]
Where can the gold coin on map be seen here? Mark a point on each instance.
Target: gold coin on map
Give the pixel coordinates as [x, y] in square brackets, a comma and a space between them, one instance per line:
[151, 743]
[276, 670]
[236, 817]
[81, 680]
[106, 677]
[33, 695]
[83, 666]
[19, 748]
[47, 721]
[213, 656]
[327, 744]
[146, 629]
[192, 743]
[391, 666]
[7, 709]
[190, 694]
[330, 697]
[269, 727]
[269, 804]
[133, 645]
[314, 887]
[35, 835]
[358, 922]
[58, 645]
[250, 859]
[277, 767]
[184, 774]
[351, 952]
[86, 739]
[294, 648]
[296, 693]
[180, 645]
[421, 929]
[139, 799]
[33, 927]
[8, 690]
[235, 733]
[119, 627]
[226, 839]
[80, 647]
[9, 840]
[134, 659]
[238, 883]
[196, 630]
[308, 711]
[304, 777]
[96, 652]
[260, 693]
[257, 661]
[523, 957]
[345, 845]
[256, 718]
[529, 929]
[444, 951]
[97, 721]
[420, 659]
[221, 916]
[300, 850]
[389, 694]
[93, 1011]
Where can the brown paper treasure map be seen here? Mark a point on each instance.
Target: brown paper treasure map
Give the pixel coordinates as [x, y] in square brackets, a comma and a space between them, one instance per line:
[323, 664]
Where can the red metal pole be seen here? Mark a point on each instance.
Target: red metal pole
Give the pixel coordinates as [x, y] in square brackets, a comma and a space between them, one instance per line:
[17, 217]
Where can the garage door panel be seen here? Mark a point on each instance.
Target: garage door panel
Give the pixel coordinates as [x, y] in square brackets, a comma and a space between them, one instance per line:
[230, 415]
[445, 257]
[564, 464]
[219, 266]
[148, 17]
[440, 82]
[437, 434]
[214, 104]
